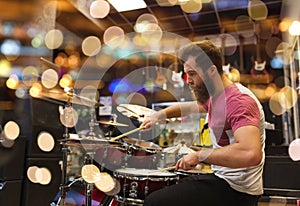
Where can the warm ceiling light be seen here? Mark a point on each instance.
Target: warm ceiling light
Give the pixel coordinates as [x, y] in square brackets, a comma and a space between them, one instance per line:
[294, 28]
[121, 5]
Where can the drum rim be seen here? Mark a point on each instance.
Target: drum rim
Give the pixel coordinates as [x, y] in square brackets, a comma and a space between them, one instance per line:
[139, 177]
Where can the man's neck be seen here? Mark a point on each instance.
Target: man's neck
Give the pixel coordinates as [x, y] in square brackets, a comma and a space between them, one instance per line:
[219, 88]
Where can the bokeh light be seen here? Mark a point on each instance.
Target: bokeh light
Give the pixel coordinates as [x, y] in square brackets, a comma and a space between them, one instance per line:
[230, 43]
[257, 10]
[31, 171]
[294, 29]
[11, 130]
[54, 39]
[49, 78]
[66, 81]
[21, 92]
[12, 82]
[90, 173]
[30, 75]
[143, 20]
[113, 36]
[99, 9]
[43, 176]
[45, 141]
[289, 97]
[106, 183]
[192, 6]
[152, 33]
[5, 67]
[275, 104]
[294, 149]
[69, 117]
[91, 46]
[36, 90]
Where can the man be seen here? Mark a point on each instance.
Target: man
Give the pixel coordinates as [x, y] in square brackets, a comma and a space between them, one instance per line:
[236, 122]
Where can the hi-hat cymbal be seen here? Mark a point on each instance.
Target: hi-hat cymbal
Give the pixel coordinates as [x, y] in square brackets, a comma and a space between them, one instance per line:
[135, 111]
[112, 123]
[149, 146]
[70, 97]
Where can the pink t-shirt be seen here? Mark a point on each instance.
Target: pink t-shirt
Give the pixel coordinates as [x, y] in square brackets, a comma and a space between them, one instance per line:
[231, 110]
[237, 106]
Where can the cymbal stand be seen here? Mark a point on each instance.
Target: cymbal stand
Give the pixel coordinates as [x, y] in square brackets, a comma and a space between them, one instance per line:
[92, 124]
[64, 179]
[89, 186]
[89, 160]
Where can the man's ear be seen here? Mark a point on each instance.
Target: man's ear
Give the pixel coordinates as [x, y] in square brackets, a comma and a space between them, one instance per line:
[212, 71]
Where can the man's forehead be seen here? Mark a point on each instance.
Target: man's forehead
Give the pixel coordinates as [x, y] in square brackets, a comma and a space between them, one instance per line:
[190, 64]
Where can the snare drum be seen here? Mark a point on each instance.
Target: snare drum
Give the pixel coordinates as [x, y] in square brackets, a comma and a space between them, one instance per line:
[136, 184]
[141, 154]
[201, 169]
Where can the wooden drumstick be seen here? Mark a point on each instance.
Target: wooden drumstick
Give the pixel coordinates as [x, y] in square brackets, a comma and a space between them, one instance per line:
[164, 169]
[126, 133]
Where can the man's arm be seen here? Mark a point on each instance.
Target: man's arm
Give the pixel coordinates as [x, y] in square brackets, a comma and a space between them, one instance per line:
[177, 110]
[245, 152]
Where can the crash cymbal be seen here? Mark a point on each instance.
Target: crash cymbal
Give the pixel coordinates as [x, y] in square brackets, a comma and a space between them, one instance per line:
[112, 123]
[135, 111]
[68, 96]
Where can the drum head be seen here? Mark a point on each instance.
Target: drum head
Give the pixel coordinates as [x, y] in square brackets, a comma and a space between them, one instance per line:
[143, 144]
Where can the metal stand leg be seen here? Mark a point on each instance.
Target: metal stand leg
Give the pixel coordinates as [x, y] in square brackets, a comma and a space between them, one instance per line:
[64, 179]
[89, 186]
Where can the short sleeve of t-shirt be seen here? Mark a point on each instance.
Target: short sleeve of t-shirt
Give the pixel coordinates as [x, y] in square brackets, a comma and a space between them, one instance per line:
[242, 110]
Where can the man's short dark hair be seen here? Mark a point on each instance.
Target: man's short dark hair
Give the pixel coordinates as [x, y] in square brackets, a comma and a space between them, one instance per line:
[206, 54]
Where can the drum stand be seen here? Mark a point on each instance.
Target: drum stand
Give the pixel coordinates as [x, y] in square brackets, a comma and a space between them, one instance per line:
[89, 186]
[64, 179]
[89, 156]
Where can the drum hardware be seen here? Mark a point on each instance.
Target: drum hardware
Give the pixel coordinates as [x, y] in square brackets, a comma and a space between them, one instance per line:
[88, 185]
[64, 179]
[133, 190]
[112, 124]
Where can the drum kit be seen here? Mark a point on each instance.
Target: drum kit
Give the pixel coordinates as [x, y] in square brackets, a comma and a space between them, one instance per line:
[125, 169]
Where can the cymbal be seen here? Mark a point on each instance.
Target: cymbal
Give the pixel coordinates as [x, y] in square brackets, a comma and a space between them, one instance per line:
[142, 144]
[135, 111]
[68, 97]
[112, 123]
[180, 149]
[88, 143]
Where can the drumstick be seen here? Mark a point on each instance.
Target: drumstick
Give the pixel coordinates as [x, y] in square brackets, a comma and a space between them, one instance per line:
[164, 169]
[126, 133]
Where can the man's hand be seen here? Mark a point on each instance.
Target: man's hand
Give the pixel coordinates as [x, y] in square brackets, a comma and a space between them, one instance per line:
[188, 162]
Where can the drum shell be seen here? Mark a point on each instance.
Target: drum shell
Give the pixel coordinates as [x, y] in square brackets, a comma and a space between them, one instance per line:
[135, 187]
[110, 157]
[142, 158]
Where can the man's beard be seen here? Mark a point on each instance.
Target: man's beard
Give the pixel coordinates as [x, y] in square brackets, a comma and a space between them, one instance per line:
[200, 92]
